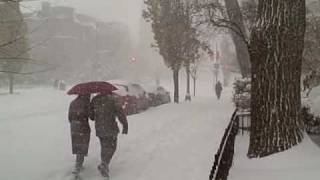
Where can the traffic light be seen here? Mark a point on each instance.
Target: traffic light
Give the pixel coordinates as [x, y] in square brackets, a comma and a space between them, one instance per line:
[133, 59]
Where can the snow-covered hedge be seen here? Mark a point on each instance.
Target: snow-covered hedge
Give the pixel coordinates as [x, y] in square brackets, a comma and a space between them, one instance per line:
[242, 96]
[311, 121]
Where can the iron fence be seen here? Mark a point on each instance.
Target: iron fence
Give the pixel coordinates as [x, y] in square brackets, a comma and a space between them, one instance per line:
[224, 157]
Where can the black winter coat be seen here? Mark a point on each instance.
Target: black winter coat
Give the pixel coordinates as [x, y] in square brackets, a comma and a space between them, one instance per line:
[103, 110]
[79, 125]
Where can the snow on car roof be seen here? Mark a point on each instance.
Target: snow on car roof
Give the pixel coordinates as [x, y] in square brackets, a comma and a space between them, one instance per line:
[119, 82]
[154, 89]
[149, 87]
[121, 90]
[133, 89]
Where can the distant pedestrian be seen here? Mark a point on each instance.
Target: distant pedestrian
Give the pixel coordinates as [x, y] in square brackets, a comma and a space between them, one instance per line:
[218, 89]
[62, 86]
[103, 110]
[80, 129]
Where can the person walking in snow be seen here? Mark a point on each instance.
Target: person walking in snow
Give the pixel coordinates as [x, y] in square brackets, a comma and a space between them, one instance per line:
[80, 129]
[218, 89]
[103, 110]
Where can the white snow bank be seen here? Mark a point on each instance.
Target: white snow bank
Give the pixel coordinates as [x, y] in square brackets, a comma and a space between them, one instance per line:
[300, 162]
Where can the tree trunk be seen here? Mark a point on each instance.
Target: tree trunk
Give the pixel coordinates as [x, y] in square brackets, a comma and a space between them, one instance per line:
[194, 87]
[176, 85]
[188, 96]
[276, 55]
[11, 82]
[242, 54]
[235, 16]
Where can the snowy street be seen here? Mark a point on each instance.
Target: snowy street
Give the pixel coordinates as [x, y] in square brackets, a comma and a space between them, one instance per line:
[167, 142]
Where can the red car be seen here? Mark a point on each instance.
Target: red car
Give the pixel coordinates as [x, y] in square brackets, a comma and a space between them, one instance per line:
[132, 96]
[129, 102]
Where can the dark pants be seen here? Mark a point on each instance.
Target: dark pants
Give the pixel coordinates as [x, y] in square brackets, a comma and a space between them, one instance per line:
[79, 163]
[108, 148]
[218, 93]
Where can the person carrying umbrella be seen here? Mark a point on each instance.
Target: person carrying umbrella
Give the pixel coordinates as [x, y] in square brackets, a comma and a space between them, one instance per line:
[103, 110]
[79, 112]
[80, 129]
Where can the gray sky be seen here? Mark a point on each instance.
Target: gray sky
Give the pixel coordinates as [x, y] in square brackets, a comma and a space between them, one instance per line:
[126, 11]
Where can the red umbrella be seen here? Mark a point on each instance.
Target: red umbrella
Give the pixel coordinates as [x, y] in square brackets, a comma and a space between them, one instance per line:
[92, 87]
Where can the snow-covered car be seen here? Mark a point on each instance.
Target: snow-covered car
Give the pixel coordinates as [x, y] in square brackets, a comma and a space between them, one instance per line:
[157, 95]
[137, 97]
[128, 102]
[140, 93]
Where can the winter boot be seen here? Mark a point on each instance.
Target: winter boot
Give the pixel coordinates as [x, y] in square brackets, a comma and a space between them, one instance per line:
[104, 171]
[77, 168]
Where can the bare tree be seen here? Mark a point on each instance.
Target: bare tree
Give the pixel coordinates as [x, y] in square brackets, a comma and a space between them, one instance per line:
[312, 44]
[275, 47]
[236, 20]
[13, 40]
[311, 58]
[230, 17]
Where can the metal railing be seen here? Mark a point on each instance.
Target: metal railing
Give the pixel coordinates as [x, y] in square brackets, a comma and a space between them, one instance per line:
[224, 157]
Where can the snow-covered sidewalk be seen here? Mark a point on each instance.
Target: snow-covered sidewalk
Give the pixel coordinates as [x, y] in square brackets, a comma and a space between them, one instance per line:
[301, 162]
[170, 142]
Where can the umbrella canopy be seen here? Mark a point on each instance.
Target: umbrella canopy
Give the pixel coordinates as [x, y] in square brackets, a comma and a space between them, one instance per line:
[92, 87]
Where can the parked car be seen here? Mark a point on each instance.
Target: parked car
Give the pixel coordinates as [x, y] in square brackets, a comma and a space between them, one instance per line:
[140, 93]
[136, 96]
[129, 103]
[157, 95]
[164, 95]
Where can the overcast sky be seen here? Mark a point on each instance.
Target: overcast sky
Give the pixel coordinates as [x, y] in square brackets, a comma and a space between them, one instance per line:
[126, 11]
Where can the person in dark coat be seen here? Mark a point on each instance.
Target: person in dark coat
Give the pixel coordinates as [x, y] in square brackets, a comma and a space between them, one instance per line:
[80, 130]
[218, 89]
[103, 110]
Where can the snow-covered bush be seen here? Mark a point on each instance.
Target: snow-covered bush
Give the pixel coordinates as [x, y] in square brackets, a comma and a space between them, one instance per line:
[312, 122]
[242, 96]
